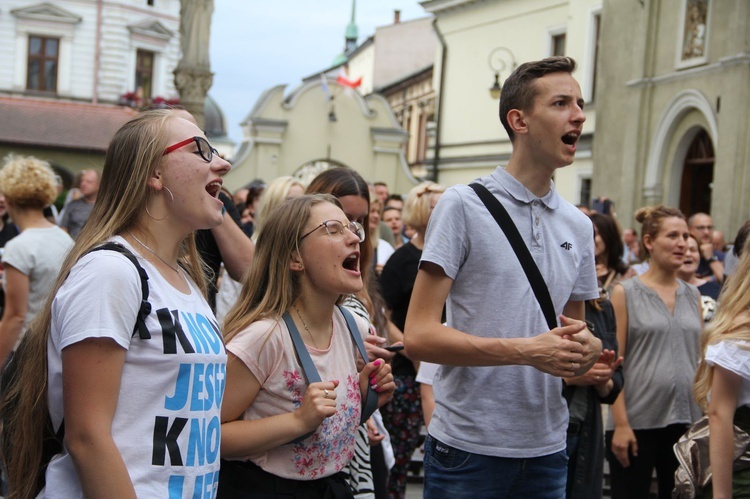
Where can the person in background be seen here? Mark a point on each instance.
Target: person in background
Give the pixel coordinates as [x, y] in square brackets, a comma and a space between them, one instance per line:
[382, 249]
[381, 191]
[116, 372]
[708, 288]
[32, 260]
[701, 225]
[610, 269]
[603, 382]
[394, 201]
[722, 382]
[732, 257]
[296, 437]
[631, 250]
[77, 212]
[719, 242]
[8, 229]
[403, 415]
[392, 218]
[658, 327]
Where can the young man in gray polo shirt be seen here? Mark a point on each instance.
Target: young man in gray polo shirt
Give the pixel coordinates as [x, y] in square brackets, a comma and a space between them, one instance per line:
[499, 426]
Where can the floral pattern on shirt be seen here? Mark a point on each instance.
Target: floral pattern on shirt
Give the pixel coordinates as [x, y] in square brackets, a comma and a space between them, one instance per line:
[332, 444]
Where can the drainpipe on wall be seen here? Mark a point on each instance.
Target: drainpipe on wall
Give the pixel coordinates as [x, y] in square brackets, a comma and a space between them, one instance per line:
[443, 58]
[97, 50]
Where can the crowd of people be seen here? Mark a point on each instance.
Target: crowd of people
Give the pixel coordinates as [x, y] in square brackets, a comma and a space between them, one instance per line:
[163, 337]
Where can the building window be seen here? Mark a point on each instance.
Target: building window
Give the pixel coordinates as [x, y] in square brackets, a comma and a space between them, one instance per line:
[41, 73]
[144, 74]
[150, 2]
[558, 44]
[585, 197]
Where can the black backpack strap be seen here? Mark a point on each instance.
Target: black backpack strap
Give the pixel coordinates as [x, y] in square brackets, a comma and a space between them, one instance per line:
[145, 308]
[501, 216]
[370, 404]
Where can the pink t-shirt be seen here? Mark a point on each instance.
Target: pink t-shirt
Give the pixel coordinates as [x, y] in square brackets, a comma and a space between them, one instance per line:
[267, 350]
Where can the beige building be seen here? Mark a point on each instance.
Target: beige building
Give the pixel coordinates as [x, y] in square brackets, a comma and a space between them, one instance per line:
[482, 41]
[379, 128]
[317, 126]
[673, 100]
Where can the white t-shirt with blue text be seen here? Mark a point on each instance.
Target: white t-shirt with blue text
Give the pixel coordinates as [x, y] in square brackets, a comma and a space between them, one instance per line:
[167, 423]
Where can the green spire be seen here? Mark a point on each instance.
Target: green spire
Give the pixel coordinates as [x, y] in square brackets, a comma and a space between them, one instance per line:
[352, 33]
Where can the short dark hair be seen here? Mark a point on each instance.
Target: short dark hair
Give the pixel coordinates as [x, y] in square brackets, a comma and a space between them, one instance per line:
[519, 91]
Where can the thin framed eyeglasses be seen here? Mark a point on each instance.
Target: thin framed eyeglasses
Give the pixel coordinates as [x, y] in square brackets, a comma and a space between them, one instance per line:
[204, 148]
[336, 229]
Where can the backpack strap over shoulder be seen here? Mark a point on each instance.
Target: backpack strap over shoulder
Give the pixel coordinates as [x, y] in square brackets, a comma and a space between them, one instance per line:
[370, 403]
[145, 308]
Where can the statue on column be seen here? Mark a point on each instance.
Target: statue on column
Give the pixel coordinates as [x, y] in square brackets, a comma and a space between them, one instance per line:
[195, 32]
[193, 77]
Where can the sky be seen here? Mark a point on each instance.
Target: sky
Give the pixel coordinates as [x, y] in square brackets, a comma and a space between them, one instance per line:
[258, 44]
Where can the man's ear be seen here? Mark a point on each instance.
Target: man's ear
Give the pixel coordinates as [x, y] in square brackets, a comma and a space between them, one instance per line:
[517, 121]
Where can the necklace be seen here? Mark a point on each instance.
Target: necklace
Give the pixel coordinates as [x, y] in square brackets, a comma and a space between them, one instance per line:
[307, 328]
[176, 269]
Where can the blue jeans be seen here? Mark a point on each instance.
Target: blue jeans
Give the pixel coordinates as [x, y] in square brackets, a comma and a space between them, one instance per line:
[456, 474]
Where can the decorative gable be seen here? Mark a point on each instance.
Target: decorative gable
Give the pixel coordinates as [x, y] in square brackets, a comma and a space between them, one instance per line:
[46, 12]
[151, 29]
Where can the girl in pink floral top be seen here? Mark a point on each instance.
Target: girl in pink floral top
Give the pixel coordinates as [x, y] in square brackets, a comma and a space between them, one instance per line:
[306, 257]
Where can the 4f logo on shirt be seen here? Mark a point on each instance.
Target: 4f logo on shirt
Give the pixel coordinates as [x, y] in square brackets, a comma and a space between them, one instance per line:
[566, 245]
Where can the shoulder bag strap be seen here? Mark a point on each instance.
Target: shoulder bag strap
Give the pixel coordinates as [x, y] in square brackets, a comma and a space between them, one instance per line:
[498, 212]
[370, 404]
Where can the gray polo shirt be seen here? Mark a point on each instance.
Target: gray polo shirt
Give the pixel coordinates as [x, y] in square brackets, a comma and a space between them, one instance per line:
[507, 411]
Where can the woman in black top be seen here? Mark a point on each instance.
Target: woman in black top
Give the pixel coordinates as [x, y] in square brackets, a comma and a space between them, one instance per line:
[403, 414]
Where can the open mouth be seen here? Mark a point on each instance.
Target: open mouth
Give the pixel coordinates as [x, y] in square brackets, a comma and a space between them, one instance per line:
[352, 262]
[570, 138]
[213, 188]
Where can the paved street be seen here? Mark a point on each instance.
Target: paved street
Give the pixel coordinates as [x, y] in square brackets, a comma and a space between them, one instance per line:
[413, 490]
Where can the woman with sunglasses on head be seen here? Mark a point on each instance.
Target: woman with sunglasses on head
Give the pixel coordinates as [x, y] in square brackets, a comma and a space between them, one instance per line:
[137, 388]
[658, 328]
[281, 433]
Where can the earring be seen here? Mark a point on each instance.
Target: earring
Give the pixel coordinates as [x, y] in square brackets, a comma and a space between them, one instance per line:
[165, 216]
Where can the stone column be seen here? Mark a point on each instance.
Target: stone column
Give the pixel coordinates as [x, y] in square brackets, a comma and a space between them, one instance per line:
[193, 77]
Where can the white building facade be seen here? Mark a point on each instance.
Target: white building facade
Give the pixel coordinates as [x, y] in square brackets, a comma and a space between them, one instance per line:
[484, 38]
[91, 51]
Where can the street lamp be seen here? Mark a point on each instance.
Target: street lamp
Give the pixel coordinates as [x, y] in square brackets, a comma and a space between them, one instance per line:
[499, 60]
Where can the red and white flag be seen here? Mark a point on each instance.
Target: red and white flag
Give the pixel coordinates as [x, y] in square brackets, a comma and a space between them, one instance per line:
[343, 79]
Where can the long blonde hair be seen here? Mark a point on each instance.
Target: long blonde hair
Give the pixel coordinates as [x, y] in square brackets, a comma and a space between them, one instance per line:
[134, 153]
[731, 322]
[270, 288]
